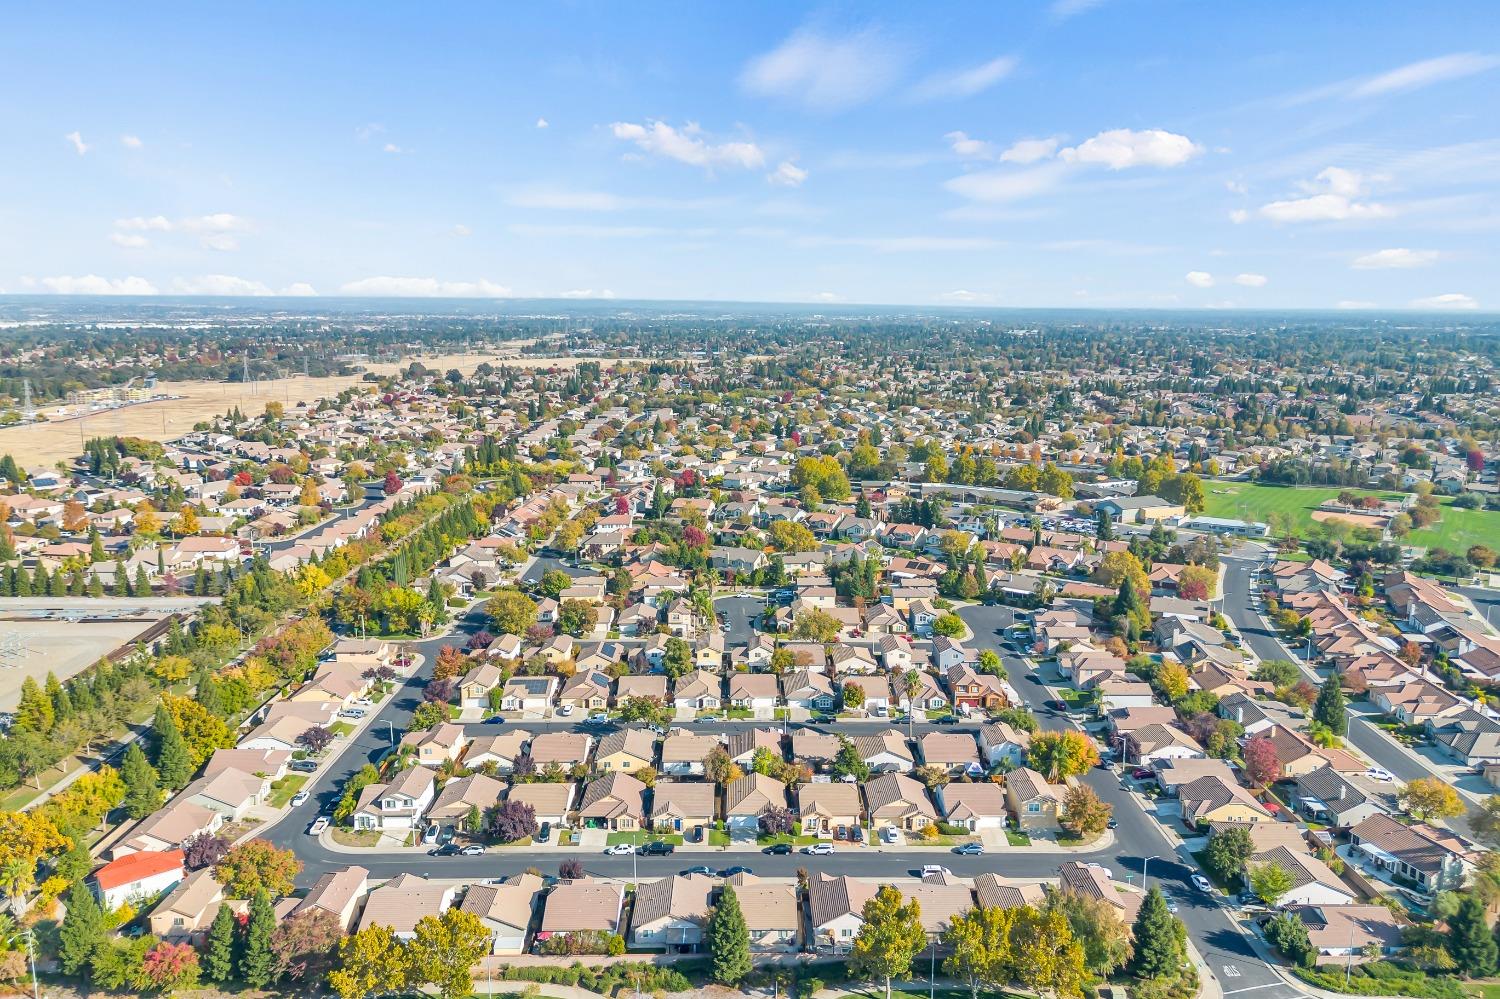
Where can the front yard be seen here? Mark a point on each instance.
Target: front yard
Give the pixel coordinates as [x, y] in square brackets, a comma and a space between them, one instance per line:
[283, 789]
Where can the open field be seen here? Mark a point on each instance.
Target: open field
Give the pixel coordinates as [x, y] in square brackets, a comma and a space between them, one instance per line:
[41, 445]
[1256, 501]
[65, 648]
[1459, 529]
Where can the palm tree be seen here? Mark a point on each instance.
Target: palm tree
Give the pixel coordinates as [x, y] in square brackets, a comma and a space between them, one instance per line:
[911, 682]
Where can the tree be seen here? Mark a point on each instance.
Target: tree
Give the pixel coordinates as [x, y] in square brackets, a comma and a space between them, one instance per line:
[817, 626]
[1227, 853]
[1262, 765]
[979, 941]
[303, 944]
[1288, 933]
[1270, 881]
[847, 763]
[1485, 820]
[553, 582]
[444, 951]
[891, 937]
[719, 768]
[173, 763]
[1330, 710]
[570, 869]
[315, 739]
[728, 939]
[168, 967]
[1197, 582]
[82, 929]
[142, 789]
[852, 695]
[1470, 940]
[1097, 926]
[950, 625]
[647, 711]
[254, 865]
[218, 950]
[370, 961]
[510, 821]
[256, 960]
[1429, 798]
[577, 617]
[775, 821]
[511, 612]
[1158, 935]
[788, 536]
[119, 964]
[1084, 815]
[1047, 958]
[1060, 755]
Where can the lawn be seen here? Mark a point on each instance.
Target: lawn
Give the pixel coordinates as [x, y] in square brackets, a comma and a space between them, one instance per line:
[1255, 501]
[282, 790]
[340, 728]
[1459, 529]
[793, 840]
[642, 838]
[1015, 838]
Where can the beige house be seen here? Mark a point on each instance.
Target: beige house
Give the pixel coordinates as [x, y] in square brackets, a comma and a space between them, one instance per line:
[189, 909]
[615, 801]
[625, 749]
[583, 905]
[772, 913]
[679, 806]
[1036, 804]
[552, 803]
[337, 892]
[506, 910]
[462, 794]
[823, 808]
[900, 801]
[442, 744]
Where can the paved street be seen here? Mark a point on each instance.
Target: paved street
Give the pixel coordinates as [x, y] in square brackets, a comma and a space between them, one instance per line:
[740, 613]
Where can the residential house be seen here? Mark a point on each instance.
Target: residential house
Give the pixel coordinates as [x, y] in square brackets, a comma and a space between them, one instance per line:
[826, 808]
[585, 905]
[1351, 931]
[754, 691]
[187, 911]
[506, 909]
[443, 743]
[500, 750]
[461, 795]
[975, 806]
[680, 806]
[337, 892]
[807, 691]
[954, 752]
[671, 913]
[531, 695]
[772, 913]
[972, 689]
[136, 877]
[836, 909]
[1313, 882]
[699, 690]
[900, 801]
[404, 901]
[551, 802]
[565, 749]
[397, 805]
[625, 749]
[1326, 796]
[749, 797]
[1000, 742]
[1432, 858]
[1036, 804]
[615, 801]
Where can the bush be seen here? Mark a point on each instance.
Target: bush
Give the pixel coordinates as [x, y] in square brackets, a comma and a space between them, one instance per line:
[1381, 978]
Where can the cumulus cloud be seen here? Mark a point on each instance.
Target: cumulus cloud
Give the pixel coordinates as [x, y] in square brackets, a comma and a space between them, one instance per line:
[391, 147]
[686, 145]
[131, 141]
[964, 145]
[423, 287]
[541, 123]
[1452, 300]
[824, 72]
[79, 146]
[1251, 280]
[129, 240]
[787, 174]
[1030, 150]
[223, 285]
[966, 82]
[1122, 148]
[963, 296]
[1414, 76]
[93, 284]
[217, 231]
[156, 223]
[1199, 279]
[1396, 258]
[587, 293]
[1331, 198]
[299, 289]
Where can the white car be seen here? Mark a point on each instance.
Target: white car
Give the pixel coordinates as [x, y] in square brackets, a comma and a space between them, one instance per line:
[565, 710]
[930, 870]
[319, 824]
[619, 849]
[598, 718]
[299, 798]
[1202, 884]
[1381, 774]
[818, 850]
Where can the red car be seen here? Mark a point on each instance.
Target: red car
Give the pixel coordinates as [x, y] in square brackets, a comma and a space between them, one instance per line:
[1141, 774]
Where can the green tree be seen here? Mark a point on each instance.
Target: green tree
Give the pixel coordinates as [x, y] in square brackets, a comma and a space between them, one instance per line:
[950, 625]
[728, 939]
[511, 612]
[1227, 853]
[1330, 709]
[1159, 951]
[1047, 959]
[554, 581]
[256, 957]
[142, 788]
[1097, 926]
[444, 950]
[979, 945]
[1270, 881]
[218, 949]
[82, 929]
[174, 764]
[1469, 939]
[1288, 934]
[891, 937]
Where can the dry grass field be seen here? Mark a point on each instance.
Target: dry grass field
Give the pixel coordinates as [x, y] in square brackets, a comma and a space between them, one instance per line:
[42, 445]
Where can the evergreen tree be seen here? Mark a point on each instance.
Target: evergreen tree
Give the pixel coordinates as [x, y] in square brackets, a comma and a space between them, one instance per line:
[728, 939]
[142, 584]
[1469, 939]
[82, 929]
[96, 546]
[96, 586]
[1158, 941]
[256, 959]
[1329, 709]
[142, 786]
[22, 586]
[121, 586]
[173, 763]
[34, 713]
[218, 949]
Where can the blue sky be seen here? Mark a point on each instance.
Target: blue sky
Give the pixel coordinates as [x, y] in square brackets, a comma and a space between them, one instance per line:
[1071, 153]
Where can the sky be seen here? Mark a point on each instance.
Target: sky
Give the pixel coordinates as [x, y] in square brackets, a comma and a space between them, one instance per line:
[1065, 153]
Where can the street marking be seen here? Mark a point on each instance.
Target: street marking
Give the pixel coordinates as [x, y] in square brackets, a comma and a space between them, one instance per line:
[1230, 971]
[1252, 988]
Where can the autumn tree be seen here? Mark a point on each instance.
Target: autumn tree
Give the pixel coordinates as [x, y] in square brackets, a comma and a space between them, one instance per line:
[889, 939]
[1429, 798]
[1084, 814]
[1060, 755]
[1262, 765]
[370, 961]
[256, 864]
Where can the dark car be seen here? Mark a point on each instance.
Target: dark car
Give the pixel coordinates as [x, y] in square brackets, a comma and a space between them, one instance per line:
[946, 720]
[303, 766]
[730, 872]
[1142, 774]
[656, 848]
[780, 849]
[1112, 824]
[1057, 705]
[496, 720]
[700, 869]
[545, 833]
[446, 850]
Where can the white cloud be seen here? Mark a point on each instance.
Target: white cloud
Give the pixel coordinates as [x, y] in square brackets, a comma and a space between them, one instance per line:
[541, 123]
[156, 223]
[366, 132]
[1063, 9]
[965, 297]
[221, 241]
[1350, 303]
[1236, 187]
[566, 200]
[216, 231]
[391, 147]
[1008, 185]
[299, 289]
[904, 244]
[823, 72]
[93, 284]
[131, 241]
[787, 174]
[1416, 75]
[968, 147]
[1332, 200]
[131, 141]
[686, 146]
[965, 82]
[1199, 279]
[1239, 215]
[1397, 258]
[1251, 280]
[1121, 148]
[827, 296]
[1452, 300]
[1030, 150]
[461, 230]
[587, 293]
[79, 146]
[416, 287]
[224, 285]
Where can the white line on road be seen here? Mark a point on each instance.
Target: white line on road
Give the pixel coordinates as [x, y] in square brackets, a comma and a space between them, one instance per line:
[1252, 988]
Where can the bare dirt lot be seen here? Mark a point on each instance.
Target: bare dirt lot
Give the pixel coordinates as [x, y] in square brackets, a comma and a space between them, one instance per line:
[42, 445]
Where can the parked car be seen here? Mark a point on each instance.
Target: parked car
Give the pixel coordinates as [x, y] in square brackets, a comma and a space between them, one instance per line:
[889, 835]
[472, 850]
[700, 869]
[619, 850]
[352, 713]
[496, 720]
[446, 850]
[565, 710]
[1381, 774]
[1202, 884]
[656, 848]
[319, 824]
[299, 798]
[730, 872]
[1141, 773]
[303, 766]
[598, 718]
[946, 720]
[933, 870]
[778, 849]
[818, 850]
[969, 850]
[544, 833]
[1112, 824]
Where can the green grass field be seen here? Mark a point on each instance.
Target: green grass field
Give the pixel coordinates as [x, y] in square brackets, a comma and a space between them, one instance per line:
[1459, 529]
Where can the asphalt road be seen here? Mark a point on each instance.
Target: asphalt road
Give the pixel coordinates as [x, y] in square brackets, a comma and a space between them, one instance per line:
[740, 614]
[543, 564]
[276, 546]
[1139, 840]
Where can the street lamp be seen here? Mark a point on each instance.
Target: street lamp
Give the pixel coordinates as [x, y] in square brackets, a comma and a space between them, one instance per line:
[30, 937]
[1145, 881]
